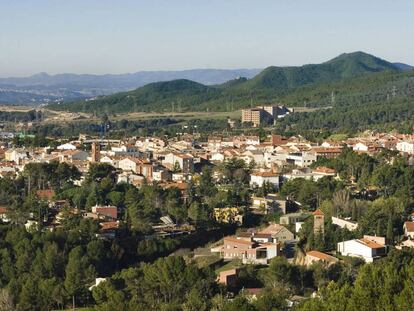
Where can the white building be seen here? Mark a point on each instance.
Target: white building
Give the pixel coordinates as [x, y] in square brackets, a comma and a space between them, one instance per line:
[405, 146]
[360, 147]
[259, 178]
[368, 248]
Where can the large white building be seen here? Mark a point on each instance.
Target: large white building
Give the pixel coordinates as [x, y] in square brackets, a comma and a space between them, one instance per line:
[368, 248]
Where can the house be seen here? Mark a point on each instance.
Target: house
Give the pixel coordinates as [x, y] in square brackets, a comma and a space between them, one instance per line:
[136, 165]
[345, 223]
[405, 146]
[368, 248]
[106, 211]
[108, 229]
[161, 175]
[278, 232]
[110, 160]
[323, 171]
[257, 179]
[184, 161]
[253, 156]
[360, 146]
[328, 153]
[217, 157]
[278, 140]
[248, 251]
[3, 214]
[16, 155]
[292, 218]
[316, 256]
[409, 229]
[255, 236]
[67, 146]
[271, 204]
[125, 150]
[46, 195]
[301, 159]
[73, 155]
[229, 277]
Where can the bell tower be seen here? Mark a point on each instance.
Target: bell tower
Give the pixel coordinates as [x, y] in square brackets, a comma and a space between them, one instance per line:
[318, 222]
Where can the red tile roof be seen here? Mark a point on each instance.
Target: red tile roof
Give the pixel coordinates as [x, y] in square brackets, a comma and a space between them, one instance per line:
[47, 194]
[321, 256]
[318, 212]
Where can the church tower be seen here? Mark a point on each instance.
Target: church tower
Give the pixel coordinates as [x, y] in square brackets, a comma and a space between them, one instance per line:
[96, 152]
[318, 222]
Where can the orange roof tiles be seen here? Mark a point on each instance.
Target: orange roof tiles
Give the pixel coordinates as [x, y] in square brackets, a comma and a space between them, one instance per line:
[371, 244]
[318, 212]
[321, 256]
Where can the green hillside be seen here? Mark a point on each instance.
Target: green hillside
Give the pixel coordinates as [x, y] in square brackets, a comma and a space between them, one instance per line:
[309, 84]
[170, 95]
[344, 66]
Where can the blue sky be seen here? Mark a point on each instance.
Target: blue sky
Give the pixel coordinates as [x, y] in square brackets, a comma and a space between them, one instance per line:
[118, 36]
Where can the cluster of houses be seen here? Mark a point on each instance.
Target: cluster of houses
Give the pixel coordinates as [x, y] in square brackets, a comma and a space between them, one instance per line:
[173, 163]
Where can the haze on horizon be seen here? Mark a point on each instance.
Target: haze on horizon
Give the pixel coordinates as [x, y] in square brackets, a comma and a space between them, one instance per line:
[108, 36]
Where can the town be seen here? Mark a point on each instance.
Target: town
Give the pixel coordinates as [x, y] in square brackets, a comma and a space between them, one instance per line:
[226, 202]
[206, 155]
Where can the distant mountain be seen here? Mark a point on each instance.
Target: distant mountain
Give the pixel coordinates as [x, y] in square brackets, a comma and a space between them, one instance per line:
[272, 84]
[403, 66]
[43, 87]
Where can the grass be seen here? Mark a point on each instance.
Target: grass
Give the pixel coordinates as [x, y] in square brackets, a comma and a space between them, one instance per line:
[229, 265]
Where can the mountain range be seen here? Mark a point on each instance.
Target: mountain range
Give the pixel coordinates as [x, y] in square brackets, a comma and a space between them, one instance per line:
[349, 74]
[43, 87]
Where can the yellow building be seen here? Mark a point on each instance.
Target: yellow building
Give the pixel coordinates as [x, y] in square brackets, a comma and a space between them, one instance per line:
[228, 215]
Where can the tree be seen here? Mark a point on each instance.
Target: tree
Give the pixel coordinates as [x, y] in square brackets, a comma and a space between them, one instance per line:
[207, 187]
[197, 213]
[79, 274]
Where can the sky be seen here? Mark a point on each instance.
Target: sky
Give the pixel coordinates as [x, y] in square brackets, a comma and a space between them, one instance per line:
[120, 36]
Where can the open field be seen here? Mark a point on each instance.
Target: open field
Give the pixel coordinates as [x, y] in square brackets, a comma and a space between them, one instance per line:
[61, 116]
[9, 108]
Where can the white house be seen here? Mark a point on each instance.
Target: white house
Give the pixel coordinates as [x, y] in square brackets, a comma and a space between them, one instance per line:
[129, 164]
[368, 248]
[217, 156]
[360, 147]
[257, 179]
[405, 146]
[67, 146]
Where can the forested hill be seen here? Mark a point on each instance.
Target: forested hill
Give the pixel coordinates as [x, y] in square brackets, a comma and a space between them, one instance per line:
[341, 67]
[290, 85]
